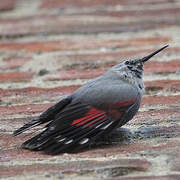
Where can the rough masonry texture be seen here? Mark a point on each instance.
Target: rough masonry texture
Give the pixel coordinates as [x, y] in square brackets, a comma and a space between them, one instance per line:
[49, 48]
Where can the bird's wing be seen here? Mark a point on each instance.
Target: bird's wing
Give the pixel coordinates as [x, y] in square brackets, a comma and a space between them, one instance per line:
[78, 125]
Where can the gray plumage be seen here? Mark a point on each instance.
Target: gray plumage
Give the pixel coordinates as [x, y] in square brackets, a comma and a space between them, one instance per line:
[102, 104]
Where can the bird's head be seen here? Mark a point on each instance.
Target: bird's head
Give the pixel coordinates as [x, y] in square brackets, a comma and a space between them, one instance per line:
[136, 65]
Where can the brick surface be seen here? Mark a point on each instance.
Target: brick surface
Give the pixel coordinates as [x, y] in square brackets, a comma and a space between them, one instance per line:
[37, 46]
[81, 3]
[15, 76]
[159, 67]
[49, 48]
[7, 5]
[122, 165]
[168, 177]
[76, 74]
[15, 62]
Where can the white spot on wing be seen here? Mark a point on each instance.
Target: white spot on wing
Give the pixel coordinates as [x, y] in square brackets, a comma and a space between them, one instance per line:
[51, 128]
[105, 127]
[85, 140]
[61, 140]
[58, 137]
[99, 125]
[68, 142]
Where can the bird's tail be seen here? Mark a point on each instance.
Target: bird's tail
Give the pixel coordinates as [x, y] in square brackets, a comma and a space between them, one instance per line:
[45, 117]
[30, 124]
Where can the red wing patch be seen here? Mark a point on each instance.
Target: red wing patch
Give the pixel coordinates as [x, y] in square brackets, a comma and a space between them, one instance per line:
[92, 116]
[114, 114]
[120, 108]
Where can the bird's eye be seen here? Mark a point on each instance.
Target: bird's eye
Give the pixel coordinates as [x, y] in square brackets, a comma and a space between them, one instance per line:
[127, 62]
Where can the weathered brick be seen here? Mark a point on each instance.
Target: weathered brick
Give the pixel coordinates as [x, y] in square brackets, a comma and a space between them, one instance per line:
[37, 91]
[66, 44]
[69, 24]
[88, 3]
[163, 100]
[155, 116]
[15, 76]
[15, 62]
[127, 148]
[122, 166]
[77, 74]
[166, 177]
[173, 85]
[138, 13]
[24, 109]
[161, 67]
[7, 5]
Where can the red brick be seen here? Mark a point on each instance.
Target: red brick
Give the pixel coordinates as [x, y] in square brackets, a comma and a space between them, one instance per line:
[95, 3]
[158, 131]
[9, 125]
[34, 95]
[66, 44]
[35, 46]
[139, 13]
[7, 5]
[77, 74]
[68, 24]
[114, 57]
[173, 85]
[132, 164]
[110, 150]
[161, 100]
[156, 116]
[122, 148]
[169, 145]
[15, 62]
[23, 109]
[161, 67]
[15, 76]
[13, 151]
[77, 167]
[36, 91]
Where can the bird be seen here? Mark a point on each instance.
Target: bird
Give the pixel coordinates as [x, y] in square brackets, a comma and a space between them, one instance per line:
[94, 110]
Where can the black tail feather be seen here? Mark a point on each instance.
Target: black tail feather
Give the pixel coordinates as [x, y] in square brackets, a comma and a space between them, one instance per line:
[45, 117]
[48, 141]
[36, 143]
[30, 124]
[57, 148]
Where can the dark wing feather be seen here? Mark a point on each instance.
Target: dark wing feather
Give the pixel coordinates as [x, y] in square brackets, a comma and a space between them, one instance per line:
[75, 127]
[57, 138]
[45, 117]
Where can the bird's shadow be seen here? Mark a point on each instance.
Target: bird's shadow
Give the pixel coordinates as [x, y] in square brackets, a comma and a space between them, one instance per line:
[125, 135]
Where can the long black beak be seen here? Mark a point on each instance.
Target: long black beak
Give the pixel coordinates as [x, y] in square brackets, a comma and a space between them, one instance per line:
[146, 58]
